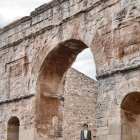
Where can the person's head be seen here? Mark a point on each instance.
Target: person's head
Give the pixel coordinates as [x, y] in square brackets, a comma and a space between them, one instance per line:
[85, 126]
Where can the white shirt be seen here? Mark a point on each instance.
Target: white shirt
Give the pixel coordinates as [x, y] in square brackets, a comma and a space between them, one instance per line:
[85, 134]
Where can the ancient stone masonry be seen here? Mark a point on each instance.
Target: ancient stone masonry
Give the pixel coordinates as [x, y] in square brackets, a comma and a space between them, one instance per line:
[55, 118]
[80, 104]
[36, 52]
[25, 111]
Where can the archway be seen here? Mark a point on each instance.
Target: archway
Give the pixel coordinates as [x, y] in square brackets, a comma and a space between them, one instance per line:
[50, 87]
[57, 63]
[13, 129]
[131, 116]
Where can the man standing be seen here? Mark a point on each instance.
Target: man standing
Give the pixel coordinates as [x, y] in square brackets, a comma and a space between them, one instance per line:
[85, 134]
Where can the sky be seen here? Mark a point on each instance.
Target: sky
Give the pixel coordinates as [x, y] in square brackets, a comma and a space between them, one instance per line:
[85, 63]
[11, 10]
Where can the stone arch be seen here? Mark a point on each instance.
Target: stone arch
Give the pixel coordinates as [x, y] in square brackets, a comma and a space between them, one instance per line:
[57, 63]
[131, 102]
[130, 115]
[50, 87]
[73, 34]
[13, 129]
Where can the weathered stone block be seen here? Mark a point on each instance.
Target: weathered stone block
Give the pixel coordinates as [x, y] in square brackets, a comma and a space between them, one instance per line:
[114, 129]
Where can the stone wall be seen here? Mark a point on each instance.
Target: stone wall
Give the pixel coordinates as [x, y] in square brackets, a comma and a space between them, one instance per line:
[52, 118]
[41, 47]
[110, 115]
[24, 110]
[79, 105]
[49, 119]
[130, 125]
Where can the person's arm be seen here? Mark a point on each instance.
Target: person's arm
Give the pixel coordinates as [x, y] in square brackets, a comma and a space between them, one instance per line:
[90, 135]
[81, 138]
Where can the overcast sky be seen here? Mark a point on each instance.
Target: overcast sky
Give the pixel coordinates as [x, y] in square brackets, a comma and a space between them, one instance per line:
[85, 63]
[11, 10]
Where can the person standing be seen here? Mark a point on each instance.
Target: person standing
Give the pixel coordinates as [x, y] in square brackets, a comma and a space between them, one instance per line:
[85, 134]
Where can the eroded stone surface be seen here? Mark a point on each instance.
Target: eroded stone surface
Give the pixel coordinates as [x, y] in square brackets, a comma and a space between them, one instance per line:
[80, 104]
[111, 28]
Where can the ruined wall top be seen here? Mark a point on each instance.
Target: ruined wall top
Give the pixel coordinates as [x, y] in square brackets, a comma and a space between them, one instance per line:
[46, 16]
[37, 11]
[81, 5]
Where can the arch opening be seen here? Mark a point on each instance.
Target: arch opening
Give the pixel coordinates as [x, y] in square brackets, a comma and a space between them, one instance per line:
[132, 102]
[86, 59]
[13, 129]
[50, 88]
[130, 115]
[56, 65]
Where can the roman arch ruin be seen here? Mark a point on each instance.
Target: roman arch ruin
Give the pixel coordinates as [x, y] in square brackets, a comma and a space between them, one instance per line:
[38, 88]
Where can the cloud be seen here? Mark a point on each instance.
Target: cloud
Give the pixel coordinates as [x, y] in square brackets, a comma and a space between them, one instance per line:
[3, 21]
[11, 10]
[85, 64]
[86, 54]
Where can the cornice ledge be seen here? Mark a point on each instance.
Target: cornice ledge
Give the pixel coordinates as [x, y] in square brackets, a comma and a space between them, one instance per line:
[117, 71]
